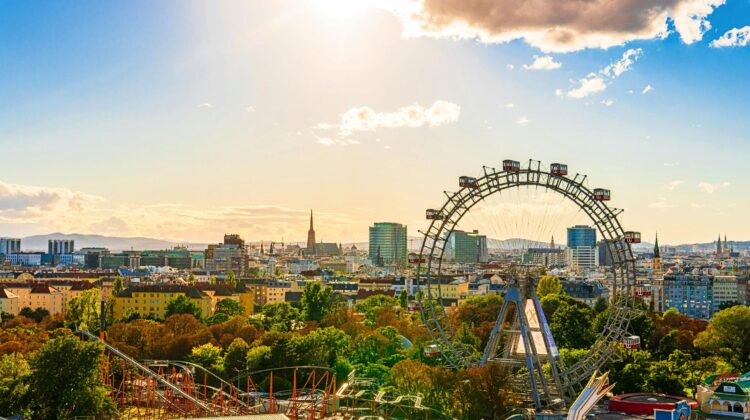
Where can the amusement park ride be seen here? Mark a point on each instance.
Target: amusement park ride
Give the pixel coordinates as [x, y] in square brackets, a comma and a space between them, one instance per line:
[521, 338]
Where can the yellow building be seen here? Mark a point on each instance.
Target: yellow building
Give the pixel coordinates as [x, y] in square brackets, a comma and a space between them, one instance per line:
[276, 291]
[371, 284]
[218, 292]
[8, 302]
[37, 295]
[449, 289]
[152, 300]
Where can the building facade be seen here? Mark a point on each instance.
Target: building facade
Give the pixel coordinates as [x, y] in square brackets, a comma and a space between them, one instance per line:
[388, 244]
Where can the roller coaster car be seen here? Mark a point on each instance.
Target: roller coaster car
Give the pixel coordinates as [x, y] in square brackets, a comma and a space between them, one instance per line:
[631, 342]
[559, 169]
[433, 214]
[601, 194]
[432, 350]
[633, 237]
[511, 165]
[467, 181]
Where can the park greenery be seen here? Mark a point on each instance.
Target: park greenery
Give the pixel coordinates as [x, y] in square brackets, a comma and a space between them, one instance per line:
[47, 372]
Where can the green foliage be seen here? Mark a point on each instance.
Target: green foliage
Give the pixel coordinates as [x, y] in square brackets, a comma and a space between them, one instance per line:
[727, 336]
[64, 382]
[183, 305]
[258, 358]
[376, 346]
[600, 304]
[374, 304]
[83, 311]
[37, 314]
[280, 316]
[465, 336]
[117, 286]
[317, 301]
[235, 360]
[191, 279]
[571, 326]
[549, 285]
[320, 347]
[14, 387]
[231, 280]
[229, 307]
[208, 356]
[403, 298]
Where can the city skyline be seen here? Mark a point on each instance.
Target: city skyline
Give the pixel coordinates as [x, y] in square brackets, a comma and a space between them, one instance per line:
[240, 119]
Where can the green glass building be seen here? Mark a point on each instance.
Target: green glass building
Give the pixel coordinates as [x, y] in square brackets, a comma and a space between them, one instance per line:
[388, 244]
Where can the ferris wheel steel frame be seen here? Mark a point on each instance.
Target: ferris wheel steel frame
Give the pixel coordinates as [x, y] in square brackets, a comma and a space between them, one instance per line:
[459, 203]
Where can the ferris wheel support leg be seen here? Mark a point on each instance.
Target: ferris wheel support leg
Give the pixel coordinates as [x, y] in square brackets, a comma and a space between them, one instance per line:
[497, 331]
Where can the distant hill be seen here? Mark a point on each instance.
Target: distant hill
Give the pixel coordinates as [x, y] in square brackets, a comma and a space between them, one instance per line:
[113, 243]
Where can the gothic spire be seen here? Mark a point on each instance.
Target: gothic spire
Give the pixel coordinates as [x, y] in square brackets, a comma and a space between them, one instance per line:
[657, 253]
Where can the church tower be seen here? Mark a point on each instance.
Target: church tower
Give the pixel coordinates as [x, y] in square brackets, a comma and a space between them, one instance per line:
[726, 247]
[657, 255]
[311, 237]
[718, 247]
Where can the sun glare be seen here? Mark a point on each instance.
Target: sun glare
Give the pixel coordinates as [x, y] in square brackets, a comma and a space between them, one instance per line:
[342, 9]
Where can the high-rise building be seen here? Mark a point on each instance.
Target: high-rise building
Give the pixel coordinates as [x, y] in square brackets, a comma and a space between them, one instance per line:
[690, 295]
[228, 256]
[582, 250]
[10, 246]
[466, 247]
[388, 244]
[311, 237]
[60, 246]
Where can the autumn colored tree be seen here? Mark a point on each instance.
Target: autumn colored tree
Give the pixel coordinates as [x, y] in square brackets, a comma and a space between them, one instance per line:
[727, 336]
[485, 393]
[235, 359]
[549, 285]
[14, 387]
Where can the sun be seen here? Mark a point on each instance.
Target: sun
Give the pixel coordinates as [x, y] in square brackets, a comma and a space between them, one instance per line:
[342, 9]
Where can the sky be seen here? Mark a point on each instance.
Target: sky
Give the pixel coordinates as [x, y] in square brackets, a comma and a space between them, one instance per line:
[184, 120]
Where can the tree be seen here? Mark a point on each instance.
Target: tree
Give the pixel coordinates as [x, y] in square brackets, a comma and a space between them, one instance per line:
[258, 358]
[117, 286]
[600, 304]
[212, 280]
[37, 314]
[84, 311]
[571, 327]
[191, 279]
[549, 285]
[14, 387]
[65, 380]
[485, 392]
[183, 305]
[229, 307]
[317, 301]
[727, 336]
[235, 359]
[403, 298]
[280, 316]
[231, 280]
[320, 347]
[208, 356]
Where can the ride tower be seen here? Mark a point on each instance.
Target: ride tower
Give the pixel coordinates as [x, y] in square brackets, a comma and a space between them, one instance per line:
[521, 340]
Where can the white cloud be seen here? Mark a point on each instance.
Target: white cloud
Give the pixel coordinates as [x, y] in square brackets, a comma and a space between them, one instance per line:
[325, 141]
[250, 109]
[543, 62]
[510, 105]
[671, 164]
[711, 188]
[523, 121]
[366, 119]
[206, 105]
[647, 89]
[660, 204]
[674, 184]
[597, 82]
[558, 92]
[555, 25]
[510, 66]
[736, 37]
[608, 102]
[589, 85]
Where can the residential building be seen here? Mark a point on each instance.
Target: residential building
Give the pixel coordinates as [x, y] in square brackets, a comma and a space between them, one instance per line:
[218, 292]
[9, 302]
[152, 300]
[690, 295]
[276, 291]
[388, 244]
[724, 291]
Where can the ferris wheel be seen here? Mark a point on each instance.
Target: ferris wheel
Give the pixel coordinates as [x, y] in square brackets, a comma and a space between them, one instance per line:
[521, 338]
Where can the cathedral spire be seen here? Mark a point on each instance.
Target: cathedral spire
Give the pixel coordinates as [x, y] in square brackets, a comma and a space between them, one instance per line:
[552, 243]
[311, 237]
[657, 252]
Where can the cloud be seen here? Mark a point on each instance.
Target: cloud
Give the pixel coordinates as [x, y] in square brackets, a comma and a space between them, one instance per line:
[364, 119]
[736, 37]
[510, 66]
[31, 201]
[589, 85]
[206, 105]
[555, 25]
[711, 188]
[558, 92]
[671, 164]
[597, 82]
[510, 105]
[250, 109]
[545, 62]
[523, 121]
[674, 184]
[608, 102]
[647, 89]
[660, 204]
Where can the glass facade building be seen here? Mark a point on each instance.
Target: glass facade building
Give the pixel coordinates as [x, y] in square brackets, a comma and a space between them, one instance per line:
[388, 244]
[466, 247]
